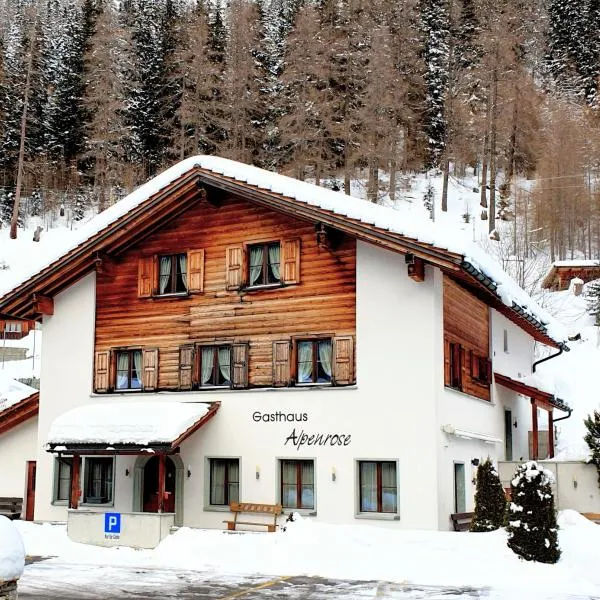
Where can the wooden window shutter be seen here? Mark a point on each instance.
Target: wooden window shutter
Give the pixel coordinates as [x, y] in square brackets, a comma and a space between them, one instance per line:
[186, 367]
[195, 271]
[281, 363]
[235, 268]
[456, 366]
[239, 353]
[488, 371]
[447, 374]
[290, 261]
[475, 365]
[343, 360]
[102, 372]
[149, 369]
[146, 276]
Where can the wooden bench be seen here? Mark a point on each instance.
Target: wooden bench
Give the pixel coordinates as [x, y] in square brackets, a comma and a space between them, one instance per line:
[461, 521]
[595, 517]
[11, 507]
[258, 509]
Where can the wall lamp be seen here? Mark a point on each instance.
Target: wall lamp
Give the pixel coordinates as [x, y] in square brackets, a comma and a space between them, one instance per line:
[189, 471]
[126, 472]
[475, 462]
[515, 424]
[257, 472]
[333, 474]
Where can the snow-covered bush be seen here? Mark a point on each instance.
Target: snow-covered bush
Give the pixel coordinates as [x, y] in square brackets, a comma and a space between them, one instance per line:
[12, 551]
[532, 528]
[490, 502]
[592, 439]
[593, 300]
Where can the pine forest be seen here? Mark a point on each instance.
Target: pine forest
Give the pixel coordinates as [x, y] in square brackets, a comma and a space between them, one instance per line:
[97, 96]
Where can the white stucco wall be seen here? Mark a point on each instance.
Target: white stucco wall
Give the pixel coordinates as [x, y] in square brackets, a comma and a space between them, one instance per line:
[66, 377]
[17, 446]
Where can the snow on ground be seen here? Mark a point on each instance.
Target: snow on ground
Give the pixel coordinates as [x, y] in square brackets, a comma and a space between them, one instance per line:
[12, 551]
[357, 552]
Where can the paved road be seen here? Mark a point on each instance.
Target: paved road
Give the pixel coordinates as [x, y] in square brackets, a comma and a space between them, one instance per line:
[53, 580]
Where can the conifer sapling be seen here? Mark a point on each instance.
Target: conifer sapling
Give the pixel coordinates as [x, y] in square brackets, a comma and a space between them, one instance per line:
[490, 502]
[592, 439]
[532, 528]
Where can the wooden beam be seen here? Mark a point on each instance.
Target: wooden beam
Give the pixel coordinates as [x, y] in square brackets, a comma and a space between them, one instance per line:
[534, 424]
[43, 305]
[212, 411]
[162, 472]
[75, 481]
[105, 265]
[19, 412]
[416, 269]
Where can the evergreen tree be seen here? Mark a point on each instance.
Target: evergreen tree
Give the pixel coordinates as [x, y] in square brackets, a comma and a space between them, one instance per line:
[593, 300]
[490, 502]
[435, 32]
[592, 439]
[532, 528]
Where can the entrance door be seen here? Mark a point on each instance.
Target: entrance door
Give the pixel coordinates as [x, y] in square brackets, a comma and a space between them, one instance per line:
[30, 499]
[508, 449]
[460, 500]
[150, 491]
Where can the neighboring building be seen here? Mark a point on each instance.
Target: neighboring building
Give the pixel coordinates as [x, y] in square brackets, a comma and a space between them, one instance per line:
[227, 333]
[562, 272]
[15, 329]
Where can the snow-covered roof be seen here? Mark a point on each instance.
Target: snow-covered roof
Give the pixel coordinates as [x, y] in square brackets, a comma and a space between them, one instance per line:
[13, 391]
[126, 423]
[535, 383]
[383, 218]
[576, 263]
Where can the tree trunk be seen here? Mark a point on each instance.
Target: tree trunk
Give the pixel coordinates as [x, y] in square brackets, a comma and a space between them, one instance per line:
[493, 139]
[446, 168]
[15, 214]
[484, 158]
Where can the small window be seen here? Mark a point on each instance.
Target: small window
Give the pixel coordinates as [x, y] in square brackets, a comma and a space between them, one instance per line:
[460, 498]
[129, 370]
[264, 264]
[215, 365]
[172, 274]
[62, 482]
[12, 327]
[98, 480]
[378, 487]
[298, 484]
[480, 369]
[314, 361]
[224, 481]
[505, 340]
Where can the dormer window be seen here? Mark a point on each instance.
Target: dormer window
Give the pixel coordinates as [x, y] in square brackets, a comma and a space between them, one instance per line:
[264, 264]
[172, 277]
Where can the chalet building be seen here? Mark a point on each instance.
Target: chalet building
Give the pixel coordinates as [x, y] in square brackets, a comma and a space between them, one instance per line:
[562, 272]
[15, 329]
[225, 333]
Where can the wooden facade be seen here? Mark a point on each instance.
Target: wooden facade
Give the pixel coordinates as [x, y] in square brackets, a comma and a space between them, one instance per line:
[316, 299]
[466, 341]
[559, 277]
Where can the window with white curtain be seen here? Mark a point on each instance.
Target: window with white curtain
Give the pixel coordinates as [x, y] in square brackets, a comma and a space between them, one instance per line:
[314, 361]
[98, 480]
[224, 481]
[129, 370]
[215, 366]
[378, 486]
[297, 484]
[62, 479]
[264, 261]
[172, 274]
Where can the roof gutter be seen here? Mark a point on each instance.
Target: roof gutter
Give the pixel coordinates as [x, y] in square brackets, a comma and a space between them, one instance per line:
[569, 410]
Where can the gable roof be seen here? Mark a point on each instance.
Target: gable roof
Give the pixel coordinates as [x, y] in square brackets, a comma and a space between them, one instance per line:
[590, 269]
[171, 193]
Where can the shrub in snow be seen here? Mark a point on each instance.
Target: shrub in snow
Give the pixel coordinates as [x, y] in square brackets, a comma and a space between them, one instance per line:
[490, 502]
[532, 528]
[593, 300]
[12, 551]
[592, 439]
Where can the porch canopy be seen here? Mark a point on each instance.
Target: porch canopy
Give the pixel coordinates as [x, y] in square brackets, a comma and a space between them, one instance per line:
[531, 386]
[126, 428]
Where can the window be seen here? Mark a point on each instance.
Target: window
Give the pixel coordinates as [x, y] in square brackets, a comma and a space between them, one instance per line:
[297, 484]
[455, 366]
[264, 264]
[12, 327]
[480, 369]
[224, 481]
[460, 500]
[505, 340]
[215, 365]
[314, 361]
[98, 480]
[62, 482]
[378, 486]
[172, 277]
[129, 370]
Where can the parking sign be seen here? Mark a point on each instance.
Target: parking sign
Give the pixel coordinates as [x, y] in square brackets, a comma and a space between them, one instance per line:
[112, 525]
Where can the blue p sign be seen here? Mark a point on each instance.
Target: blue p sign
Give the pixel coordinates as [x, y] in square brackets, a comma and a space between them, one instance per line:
[112, 523]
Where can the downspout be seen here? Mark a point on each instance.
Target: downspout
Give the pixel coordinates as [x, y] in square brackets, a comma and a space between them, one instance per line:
[537, 362]
[569, 410]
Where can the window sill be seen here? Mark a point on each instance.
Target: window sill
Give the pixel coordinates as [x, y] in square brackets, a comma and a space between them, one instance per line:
[378, 516]
[303, 512]
[92, 505]
[173, 295]
[60, 502]
[258, 288]
[314, 384]
[127, 390]
[216, 508]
